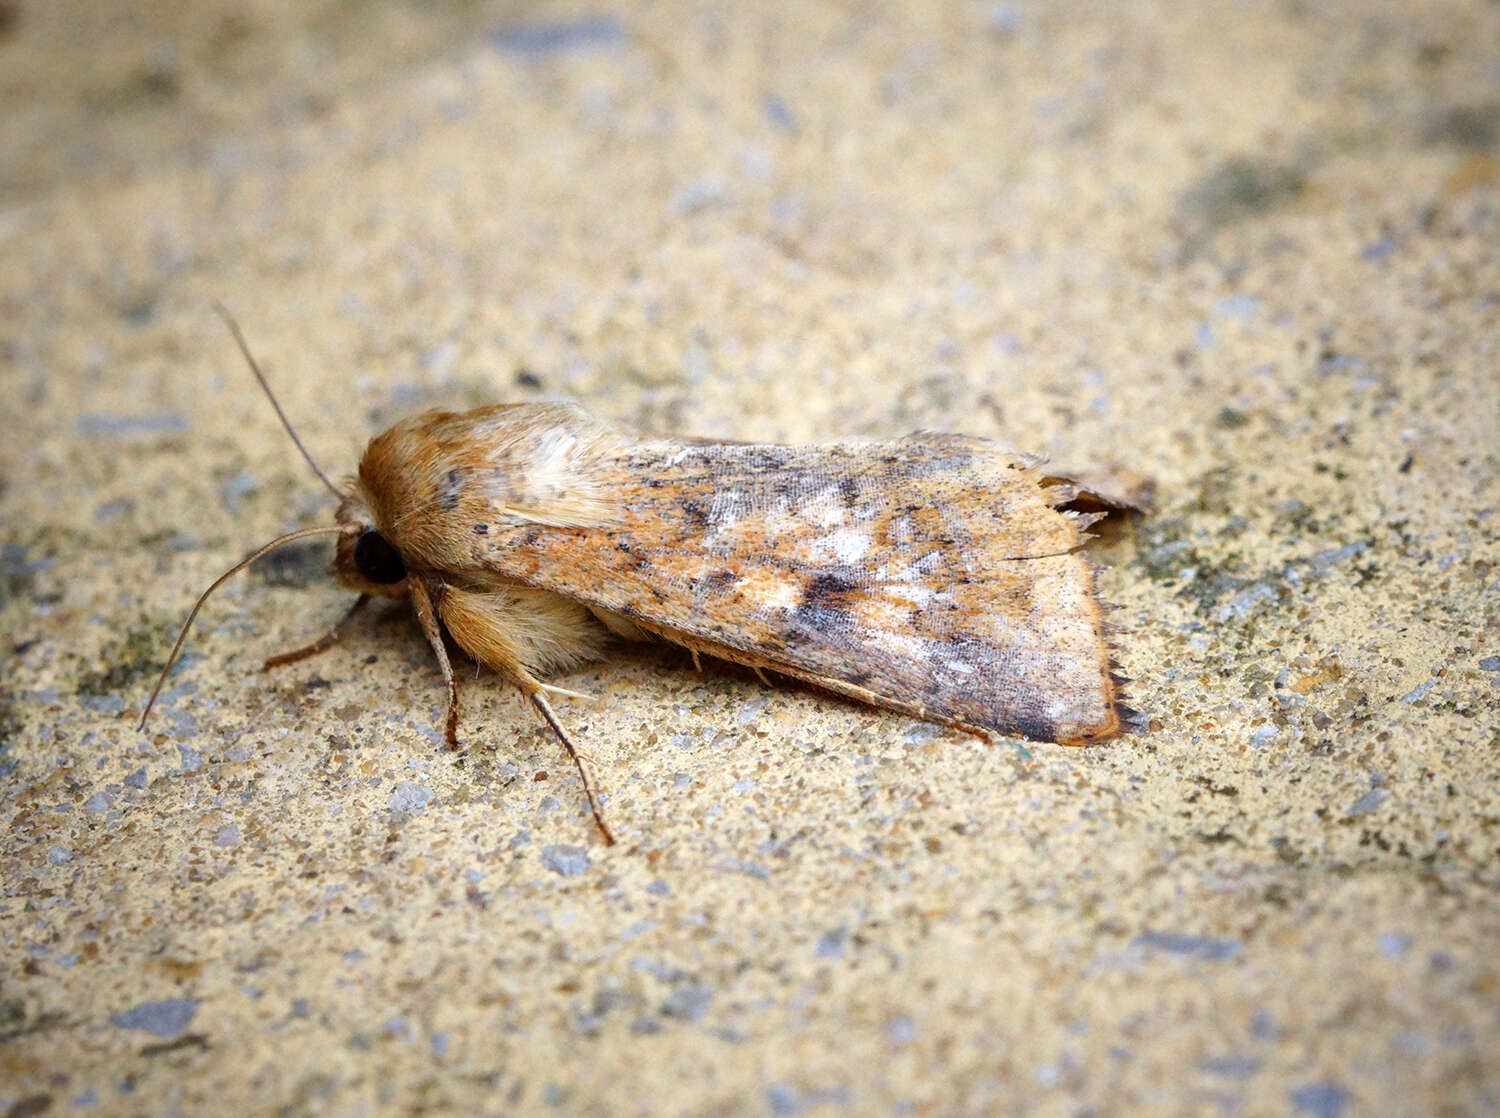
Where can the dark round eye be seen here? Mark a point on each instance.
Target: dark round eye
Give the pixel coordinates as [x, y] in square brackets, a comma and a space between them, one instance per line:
[377, 560]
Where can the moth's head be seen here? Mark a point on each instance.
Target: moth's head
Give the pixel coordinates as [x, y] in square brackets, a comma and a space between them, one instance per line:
[365, 561]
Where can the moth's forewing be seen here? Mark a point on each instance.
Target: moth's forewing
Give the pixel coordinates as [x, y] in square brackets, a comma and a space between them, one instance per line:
[931, 574]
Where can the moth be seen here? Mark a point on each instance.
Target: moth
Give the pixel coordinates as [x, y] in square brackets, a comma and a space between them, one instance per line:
[938, 576]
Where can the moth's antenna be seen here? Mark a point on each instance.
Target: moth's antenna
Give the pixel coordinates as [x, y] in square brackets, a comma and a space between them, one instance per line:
[218, 582]
[234, 328]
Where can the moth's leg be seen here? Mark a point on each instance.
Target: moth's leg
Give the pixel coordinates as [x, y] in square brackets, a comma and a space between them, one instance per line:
[507, 628]
[544, 708]
[552, 689]
[422, 602]
[696, 647]
[323, 643]
[535, 690]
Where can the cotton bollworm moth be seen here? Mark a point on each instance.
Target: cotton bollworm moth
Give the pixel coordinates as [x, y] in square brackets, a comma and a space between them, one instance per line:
[935, 575]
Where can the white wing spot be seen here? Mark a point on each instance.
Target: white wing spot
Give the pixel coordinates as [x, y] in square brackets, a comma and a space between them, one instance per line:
[903, 645]
[726, 509]
[827, 516]
[912, 594]
[849, 546]
[772, 591]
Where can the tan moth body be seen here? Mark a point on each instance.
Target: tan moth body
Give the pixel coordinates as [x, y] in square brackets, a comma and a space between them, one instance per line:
[931, 575]
[935, 575]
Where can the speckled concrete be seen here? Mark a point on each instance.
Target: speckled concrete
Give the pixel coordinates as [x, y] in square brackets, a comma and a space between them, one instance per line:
[1251, 250]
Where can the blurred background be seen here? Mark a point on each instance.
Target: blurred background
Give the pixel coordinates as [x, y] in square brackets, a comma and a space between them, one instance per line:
[1246, 250]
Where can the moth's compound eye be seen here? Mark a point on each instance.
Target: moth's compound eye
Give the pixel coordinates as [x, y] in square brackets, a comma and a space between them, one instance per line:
[377, 560]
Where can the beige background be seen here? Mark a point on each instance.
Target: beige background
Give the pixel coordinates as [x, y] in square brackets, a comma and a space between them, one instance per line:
[1248, 249]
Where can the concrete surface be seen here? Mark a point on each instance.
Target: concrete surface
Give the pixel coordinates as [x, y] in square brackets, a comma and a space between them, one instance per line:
[1252, 250]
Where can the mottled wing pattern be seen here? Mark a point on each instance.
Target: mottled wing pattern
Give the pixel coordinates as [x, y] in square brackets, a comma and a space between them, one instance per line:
[931, 575]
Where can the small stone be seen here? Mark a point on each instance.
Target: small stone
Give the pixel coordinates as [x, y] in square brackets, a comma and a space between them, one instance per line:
[1176, 943]
[1230, 1066]
[1323, 1100]
[901, 1029]
[164, 1019]
[783, 1100]
[1393, 945]
[688, 1003]
[1416, 693]
[832, 943]
[1369, 802]
[566, 861]
[409, 797]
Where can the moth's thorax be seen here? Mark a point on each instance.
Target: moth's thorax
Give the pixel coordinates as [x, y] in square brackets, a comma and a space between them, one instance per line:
[435, 483]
